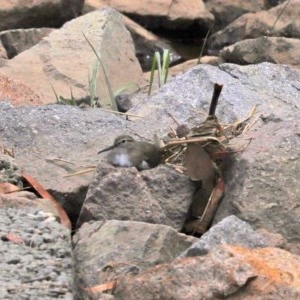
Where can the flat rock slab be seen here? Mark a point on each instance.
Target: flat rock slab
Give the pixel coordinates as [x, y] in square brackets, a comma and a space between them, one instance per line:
[53, 141]
[273, 88]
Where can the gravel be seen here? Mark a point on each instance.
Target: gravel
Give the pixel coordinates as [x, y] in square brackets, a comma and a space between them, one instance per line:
[36, 255]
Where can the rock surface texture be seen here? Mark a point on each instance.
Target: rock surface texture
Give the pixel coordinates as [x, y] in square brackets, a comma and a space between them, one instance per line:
[105, 250]
[127, 240]
[160, 195]
[36, 256]
[227, 272]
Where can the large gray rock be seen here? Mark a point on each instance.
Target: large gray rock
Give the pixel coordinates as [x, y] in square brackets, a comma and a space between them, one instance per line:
[160, 195]
[231, 230]
[53, 141]
[65, 60]
[261, 181]
[104, 251]
[274, 88]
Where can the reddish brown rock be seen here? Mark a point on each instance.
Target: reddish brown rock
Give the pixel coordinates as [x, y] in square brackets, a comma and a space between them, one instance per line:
[275, 240]
[17, 93]
[227, 272]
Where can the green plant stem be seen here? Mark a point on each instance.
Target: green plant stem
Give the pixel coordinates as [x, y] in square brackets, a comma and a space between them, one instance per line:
[111, 93]
[203, 46]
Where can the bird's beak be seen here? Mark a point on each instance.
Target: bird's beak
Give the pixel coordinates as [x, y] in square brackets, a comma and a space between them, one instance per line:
[106, 149]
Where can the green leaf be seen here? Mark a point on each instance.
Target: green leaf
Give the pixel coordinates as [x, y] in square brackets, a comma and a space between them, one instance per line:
[153, 67]
[56, 96]
[203, 46]
[111, 93]
[93, 83]
[162, 65]
[166, 64]
[158, 63]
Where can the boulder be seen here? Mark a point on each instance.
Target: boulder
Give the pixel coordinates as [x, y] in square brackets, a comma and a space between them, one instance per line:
[261, 23]
[278, 50]
[17, 14]
[172, 16]
[63, 61]
[226, 11]
[106, 250]
[232, 231]
[159, 195]
[227, 272]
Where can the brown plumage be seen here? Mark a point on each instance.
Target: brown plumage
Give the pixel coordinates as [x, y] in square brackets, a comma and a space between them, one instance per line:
[127, 152]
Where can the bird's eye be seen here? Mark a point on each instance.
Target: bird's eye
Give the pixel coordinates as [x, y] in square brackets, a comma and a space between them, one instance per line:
[123, 141]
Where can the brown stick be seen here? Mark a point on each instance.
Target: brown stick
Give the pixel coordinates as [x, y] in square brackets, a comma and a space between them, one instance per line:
[214, 100]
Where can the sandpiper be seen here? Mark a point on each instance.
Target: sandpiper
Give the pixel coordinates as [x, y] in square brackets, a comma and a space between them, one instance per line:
[127, 152]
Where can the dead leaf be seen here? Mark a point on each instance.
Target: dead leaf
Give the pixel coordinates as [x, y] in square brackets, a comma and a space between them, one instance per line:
[64, 219]
[213, 203]
[200, 198]
[201, 224]
[198, 163]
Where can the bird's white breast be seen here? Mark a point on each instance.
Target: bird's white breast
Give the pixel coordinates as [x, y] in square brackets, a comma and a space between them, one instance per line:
[120, 159]
[144, 165]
